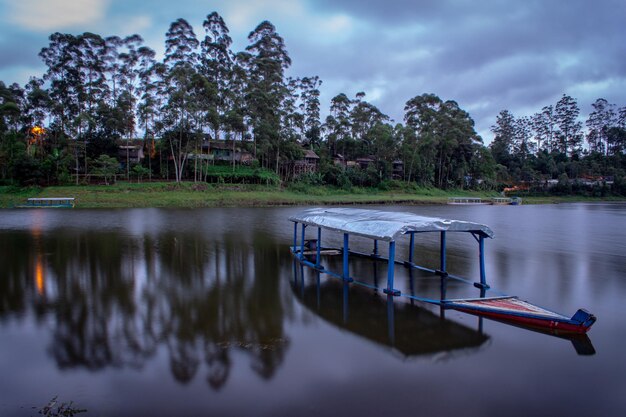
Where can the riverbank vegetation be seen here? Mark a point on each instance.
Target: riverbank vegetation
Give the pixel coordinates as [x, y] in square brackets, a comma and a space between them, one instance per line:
[197, 195]
[107, 110]
[191, 195]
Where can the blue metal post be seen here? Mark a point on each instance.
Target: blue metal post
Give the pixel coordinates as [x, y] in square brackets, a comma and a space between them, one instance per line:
[319, 245]
[346, 270]
[375, 247]
[295, 237]
[390, 270]
[444, 289]
[483, 276]
[442, 250]
[392, 264]
[411, 245]
[302, 244]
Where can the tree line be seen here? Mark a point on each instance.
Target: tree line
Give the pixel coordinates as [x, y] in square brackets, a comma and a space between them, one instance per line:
[99, 92]
[550, 144]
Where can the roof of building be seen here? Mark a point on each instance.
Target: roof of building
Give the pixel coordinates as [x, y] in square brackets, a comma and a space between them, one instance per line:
[310, 154]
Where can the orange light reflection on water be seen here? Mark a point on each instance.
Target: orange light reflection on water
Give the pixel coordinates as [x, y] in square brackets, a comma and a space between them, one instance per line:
[40, 279]
[39, 276]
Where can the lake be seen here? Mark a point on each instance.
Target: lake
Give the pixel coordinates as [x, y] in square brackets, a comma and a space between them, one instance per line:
[165, 312]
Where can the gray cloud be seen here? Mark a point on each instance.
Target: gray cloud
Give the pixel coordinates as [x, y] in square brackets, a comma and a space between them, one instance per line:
[21, 49]
[486, 55]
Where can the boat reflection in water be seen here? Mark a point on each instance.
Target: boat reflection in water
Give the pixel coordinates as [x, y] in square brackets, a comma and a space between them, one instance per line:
[406, 327]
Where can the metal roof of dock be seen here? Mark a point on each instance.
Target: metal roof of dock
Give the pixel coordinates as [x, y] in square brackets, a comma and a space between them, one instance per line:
[383, 225]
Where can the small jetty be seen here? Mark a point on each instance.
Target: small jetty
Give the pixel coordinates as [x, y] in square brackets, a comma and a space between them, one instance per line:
[506, 201]
[477, 201]
[49, 202]
[467, 201]
[501, 201]
[386, 226]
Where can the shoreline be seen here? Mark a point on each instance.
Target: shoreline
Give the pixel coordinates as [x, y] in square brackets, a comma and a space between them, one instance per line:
[202, 195]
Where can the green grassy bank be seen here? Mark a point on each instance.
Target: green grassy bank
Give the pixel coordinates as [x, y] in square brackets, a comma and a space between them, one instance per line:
[191, 195]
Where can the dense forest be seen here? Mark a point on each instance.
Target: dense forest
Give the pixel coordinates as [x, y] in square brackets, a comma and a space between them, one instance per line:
[99, 93]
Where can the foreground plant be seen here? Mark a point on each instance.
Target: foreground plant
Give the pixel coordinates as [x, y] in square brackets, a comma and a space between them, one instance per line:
[56, 409]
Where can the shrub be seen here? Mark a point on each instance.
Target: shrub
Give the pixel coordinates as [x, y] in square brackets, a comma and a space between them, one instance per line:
[240, 175]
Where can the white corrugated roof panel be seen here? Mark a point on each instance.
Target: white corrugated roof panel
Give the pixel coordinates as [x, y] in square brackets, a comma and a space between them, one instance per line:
[383, 225]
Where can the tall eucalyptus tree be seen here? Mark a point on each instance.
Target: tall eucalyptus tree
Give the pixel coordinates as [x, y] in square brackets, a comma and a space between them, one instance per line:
[524, 148]
[149, 102]
[216, 66]
[64, 77]
[76, 73]
[38, 103]
[12, 107]
[134, 60]
[364, 117]
[600, 120]
[543, 124]
[569, 136]
[503, 144]
[310, 107]
[237, 117]
[338, 124]
[179, 85]
[267, 89]
[446, 138]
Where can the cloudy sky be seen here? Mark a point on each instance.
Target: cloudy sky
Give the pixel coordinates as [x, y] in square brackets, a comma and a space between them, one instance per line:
[487, 55]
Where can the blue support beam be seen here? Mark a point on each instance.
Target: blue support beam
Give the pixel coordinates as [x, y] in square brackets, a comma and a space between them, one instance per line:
[442, 252]
[443, 290]
[411, 247]
[483, 276]
[390, 270]
[346, 253]
[318, 246]
[375, 247]
[302, 244]
[295, 236]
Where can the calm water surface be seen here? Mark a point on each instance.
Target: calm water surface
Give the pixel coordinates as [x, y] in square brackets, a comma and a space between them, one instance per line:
[203, 312]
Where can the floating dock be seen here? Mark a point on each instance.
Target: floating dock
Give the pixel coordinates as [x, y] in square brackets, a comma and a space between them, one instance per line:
[387, 227]
[49, 202]
[467, 201]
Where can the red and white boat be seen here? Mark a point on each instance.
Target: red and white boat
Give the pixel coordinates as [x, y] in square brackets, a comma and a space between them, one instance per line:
[513, 310]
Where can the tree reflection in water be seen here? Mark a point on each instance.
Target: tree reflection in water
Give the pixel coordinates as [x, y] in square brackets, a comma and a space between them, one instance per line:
[116, 299]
